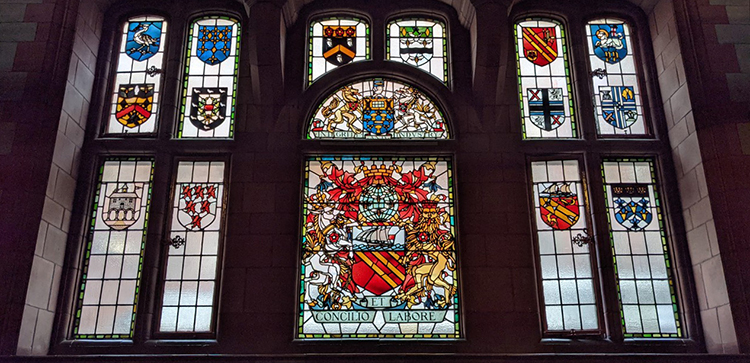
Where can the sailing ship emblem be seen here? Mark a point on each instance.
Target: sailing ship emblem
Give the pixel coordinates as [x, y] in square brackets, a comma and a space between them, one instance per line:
[558, 204]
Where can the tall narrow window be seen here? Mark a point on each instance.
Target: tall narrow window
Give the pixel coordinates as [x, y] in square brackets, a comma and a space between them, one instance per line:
[564, 252]
[378, 108]
[210, 80]
[114, 252]
[546, 96]
[135, 98]
[189, 291]
[335, 42]
[639, 244]
[420, 43]
[378, 249]
[617, 96]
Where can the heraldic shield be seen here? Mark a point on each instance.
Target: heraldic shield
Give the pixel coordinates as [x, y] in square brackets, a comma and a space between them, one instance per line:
[122, 206]
[143, 39]
[539, 45]
[197, 208]
[546, 107]
[214, 43]
[416, 44]
[558, 204]
[134, 104]
[377, 259]
[339, 44]
[378, 113]
[208, 107]
[619, 108]
[609, 42]
[632, 209]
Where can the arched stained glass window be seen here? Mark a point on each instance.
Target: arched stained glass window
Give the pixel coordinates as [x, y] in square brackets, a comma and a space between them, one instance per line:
[546, 95]
[617, 96]
[210, 80]
[335, 42]
[378, 249]
[421, 43]
[136, 95]
[378, 108]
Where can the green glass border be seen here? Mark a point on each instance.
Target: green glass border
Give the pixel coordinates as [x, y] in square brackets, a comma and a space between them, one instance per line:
[185, 78]
[573, 126]
[89, 242]
[665, 247]
[457, 280]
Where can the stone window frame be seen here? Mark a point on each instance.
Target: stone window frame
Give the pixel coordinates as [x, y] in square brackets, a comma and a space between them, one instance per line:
[591, 148]
[167, 152]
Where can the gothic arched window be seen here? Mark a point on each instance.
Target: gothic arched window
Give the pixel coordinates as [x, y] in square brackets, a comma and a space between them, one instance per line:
[419, 42]
[334, 42]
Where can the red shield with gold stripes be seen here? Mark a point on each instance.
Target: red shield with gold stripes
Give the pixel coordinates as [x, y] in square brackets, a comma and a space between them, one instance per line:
[558, 204]
[539, 45]
[378, 271]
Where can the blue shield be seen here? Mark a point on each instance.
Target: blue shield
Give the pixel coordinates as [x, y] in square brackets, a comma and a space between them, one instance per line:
[143, 39]
[619, 108]
[632, 209]
[214, 43]
[378, 115]
[609, 42]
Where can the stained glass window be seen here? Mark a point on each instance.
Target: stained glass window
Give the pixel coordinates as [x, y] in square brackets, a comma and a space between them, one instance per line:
[135, 98]
[641, 254]
[564, 246]
[420, 43]
[378, 249]
[335, 42]
[189, 290]
[378, 109]
[114, 251]
[617, 97]
[210, 83]
[546, 96]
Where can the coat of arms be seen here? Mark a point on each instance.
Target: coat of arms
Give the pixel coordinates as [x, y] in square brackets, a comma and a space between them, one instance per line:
[339, 44]
[415, 44]
[609, 42]
[546, 107]
[208, 107]
[197, 205]
[558, 204]
[122, 207]
[143, 39]
[214, 43]
[378, 113]
[539, 45]
[134, 104]
[632, 209]
[619, 107]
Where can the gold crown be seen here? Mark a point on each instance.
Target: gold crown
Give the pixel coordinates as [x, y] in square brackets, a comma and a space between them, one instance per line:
[430, 206]
[375, 171]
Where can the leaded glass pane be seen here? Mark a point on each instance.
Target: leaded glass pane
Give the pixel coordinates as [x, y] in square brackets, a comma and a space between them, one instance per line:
[546, 95]
[617, 96]
[420, 43]
[192, 264]
[641, 253]
[136, 95]
[335, 42]
[564, 250]
[210, 83]
[378, 108]
[378, 249]
[114, 254]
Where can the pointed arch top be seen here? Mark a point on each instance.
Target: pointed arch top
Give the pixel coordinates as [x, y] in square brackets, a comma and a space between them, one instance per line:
[378, 108]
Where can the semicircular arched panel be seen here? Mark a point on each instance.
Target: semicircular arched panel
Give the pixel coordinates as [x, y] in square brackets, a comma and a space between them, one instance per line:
[378, 108]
